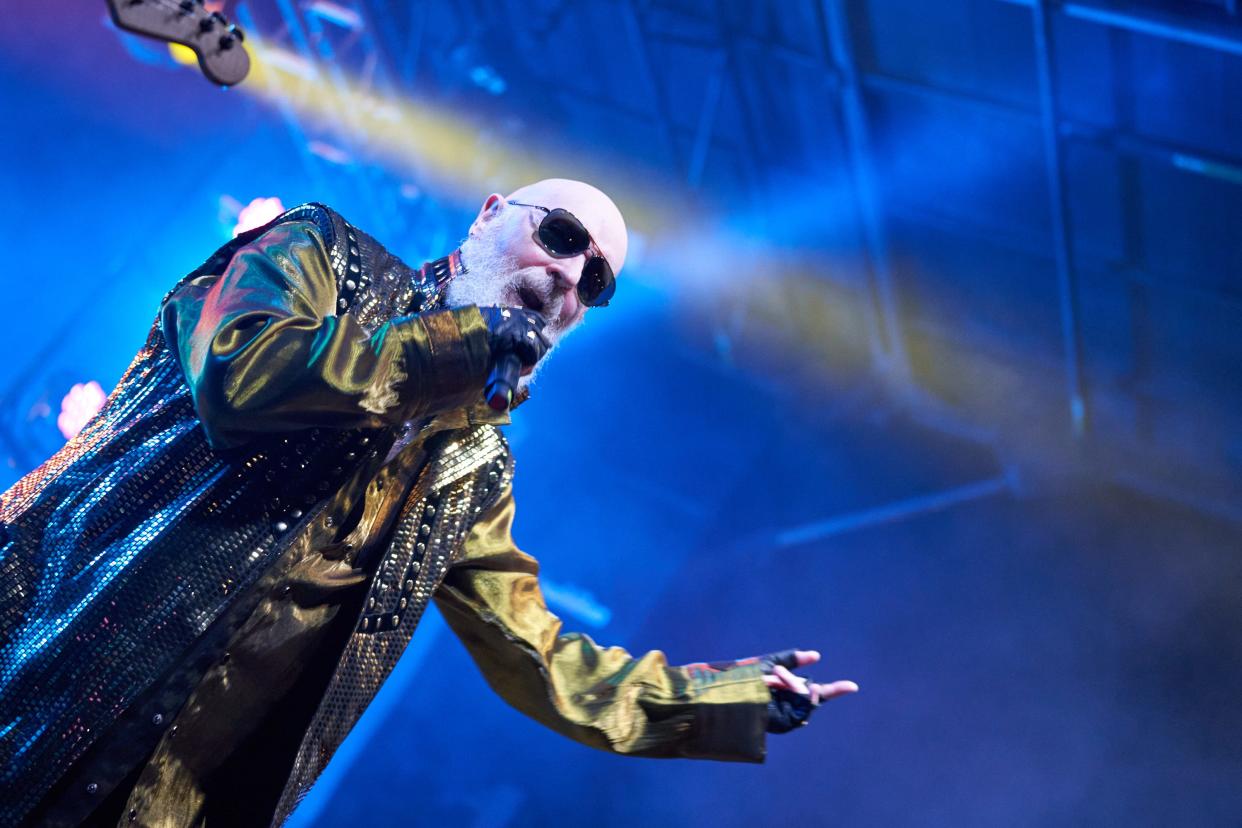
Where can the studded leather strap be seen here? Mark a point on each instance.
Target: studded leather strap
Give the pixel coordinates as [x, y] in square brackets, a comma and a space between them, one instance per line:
[461, 481]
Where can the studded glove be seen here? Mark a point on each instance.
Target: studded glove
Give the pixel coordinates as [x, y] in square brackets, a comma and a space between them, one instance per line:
[516, 331]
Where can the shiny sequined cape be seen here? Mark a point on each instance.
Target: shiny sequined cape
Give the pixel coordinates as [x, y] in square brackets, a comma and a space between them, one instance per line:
[129, 557]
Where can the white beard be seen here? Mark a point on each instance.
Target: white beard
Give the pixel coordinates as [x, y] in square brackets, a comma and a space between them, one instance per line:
[491, 280]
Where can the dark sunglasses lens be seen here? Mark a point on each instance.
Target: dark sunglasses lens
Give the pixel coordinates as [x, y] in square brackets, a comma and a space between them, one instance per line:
[597, 284]
[562, 233]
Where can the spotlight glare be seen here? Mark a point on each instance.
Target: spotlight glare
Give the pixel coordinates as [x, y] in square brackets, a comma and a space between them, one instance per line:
[257, 213]
[78, 406]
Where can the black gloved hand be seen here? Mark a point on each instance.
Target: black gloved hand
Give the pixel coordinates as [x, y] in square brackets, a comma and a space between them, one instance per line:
[785, 658]
[516, 331]
[787, 710]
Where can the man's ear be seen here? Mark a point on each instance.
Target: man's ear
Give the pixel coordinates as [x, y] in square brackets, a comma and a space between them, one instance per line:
[490, 210]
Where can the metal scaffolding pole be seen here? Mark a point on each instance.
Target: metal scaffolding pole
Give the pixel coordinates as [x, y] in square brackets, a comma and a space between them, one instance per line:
[1151, 23]
[1185, 158]
[1041, 17]
[637, 34]
[889, 513]
[889, 349]
[1155, 25]
[707, 123]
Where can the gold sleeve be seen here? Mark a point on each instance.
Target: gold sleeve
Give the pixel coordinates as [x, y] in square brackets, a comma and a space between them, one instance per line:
[600, 696]
[264, 351]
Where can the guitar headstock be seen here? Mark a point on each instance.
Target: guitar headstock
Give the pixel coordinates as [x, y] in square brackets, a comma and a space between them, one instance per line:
[216, 42]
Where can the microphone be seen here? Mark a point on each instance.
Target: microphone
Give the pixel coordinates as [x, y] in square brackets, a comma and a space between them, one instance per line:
[502, 382]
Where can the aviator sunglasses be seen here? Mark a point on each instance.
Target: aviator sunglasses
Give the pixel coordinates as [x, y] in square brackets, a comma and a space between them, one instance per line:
[563, 237]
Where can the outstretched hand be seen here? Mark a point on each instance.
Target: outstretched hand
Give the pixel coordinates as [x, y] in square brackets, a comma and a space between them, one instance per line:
[782, 678]
[793, 697]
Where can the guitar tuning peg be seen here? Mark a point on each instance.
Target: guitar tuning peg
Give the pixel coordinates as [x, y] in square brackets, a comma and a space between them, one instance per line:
[211, 21]
[233, 36]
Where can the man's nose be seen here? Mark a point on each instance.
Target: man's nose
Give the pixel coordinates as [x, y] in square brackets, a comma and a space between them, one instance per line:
[568, 272]
[567, 277]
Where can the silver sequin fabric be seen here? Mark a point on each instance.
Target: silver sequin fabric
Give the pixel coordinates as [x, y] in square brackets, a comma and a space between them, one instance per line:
[128, 558]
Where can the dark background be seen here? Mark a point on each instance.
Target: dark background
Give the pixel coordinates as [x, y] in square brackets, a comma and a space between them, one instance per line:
[926, 356]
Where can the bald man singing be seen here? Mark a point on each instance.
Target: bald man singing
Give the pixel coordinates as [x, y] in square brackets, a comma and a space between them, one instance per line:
[209, 584]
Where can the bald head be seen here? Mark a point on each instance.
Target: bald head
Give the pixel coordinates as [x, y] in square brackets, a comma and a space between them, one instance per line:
[507, 265]
[593, 207]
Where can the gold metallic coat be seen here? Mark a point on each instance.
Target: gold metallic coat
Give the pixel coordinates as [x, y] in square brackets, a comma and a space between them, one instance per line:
[266, 351]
